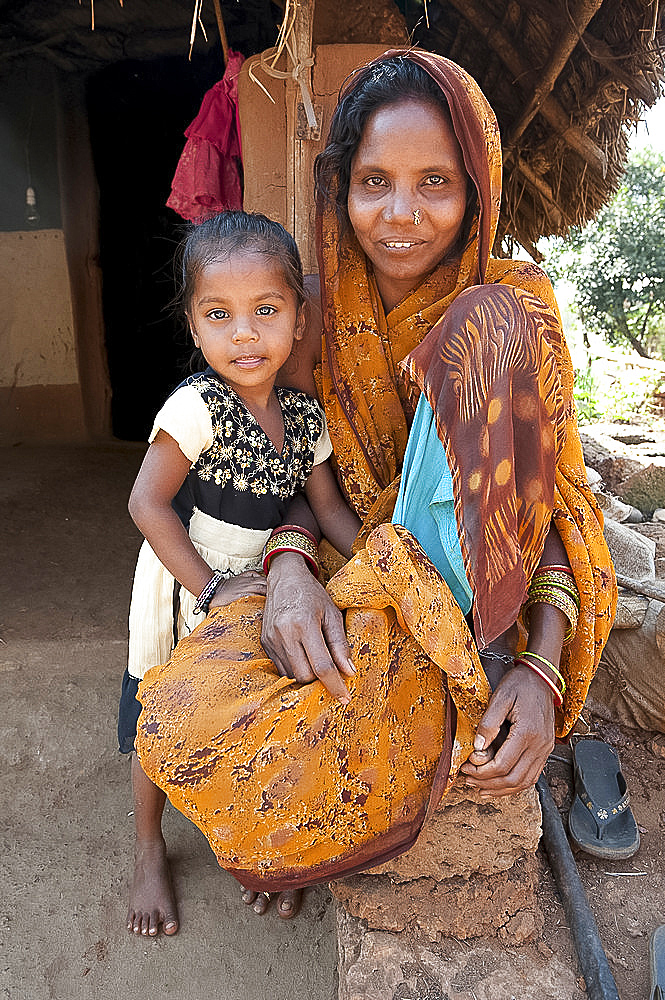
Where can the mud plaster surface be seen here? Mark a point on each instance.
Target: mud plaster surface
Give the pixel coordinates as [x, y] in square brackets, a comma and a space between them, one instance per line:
[67, 554]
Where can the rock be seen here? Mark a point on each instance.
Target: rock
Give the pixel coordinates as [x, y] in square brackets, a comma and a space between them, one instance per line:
[644, 489]
[659, 515]
[501, 905]
[466, 835]
[616, 509]
[632, 552]
[378, 965]
[616, 470]
[631, 610]
[656, 531]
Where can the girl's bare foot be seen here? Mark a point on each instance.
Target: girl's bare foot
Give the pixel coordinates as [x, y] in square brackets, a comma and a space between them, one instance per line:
[151, 901]
[288, 903]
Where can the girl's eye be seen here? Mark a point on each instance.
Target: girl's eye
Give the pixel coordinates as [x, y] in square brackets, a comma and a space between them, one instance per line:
[218, 314]
[375, 181]
[265, 310]
[435, 180]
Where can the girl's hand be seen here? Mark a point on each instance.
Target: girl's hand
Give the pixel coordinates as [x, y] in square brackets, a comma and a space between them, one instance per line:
[252, 581]
[524, 701]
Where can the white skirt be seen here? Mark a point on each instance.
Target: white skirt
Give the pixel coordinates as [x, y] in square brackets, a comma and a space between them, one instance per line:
[228, 547]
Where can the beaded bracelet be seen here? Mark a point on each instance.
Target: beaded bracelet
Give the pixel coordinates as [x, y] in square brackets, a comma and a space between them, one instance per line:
[295, 527]
[558, 697]
[208, 592]
[558, 599]
[292, 541]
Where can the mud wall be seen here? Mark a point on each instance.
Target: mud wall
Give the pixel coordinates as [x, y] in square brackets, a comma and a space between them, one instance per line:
[40, 396]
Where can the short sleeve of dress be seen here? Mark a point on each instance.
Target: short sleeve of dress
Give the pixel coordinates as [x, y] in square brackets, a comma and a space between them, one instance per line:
[323, 448]
[186, 418]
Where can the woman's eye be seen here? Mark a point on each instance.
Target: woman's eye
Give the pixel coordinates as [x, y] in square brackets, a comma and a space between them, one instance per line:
[265, 310]
[218, 314]
[434, 180]
[375, 181]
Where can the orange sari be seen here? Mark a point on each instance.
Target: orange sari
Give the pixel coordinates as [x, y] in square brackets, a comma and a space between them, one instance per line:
[289, 786]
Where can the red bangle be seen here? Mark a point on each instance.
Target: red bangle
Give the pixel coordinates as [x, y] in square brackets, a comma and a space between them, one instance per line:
[562, 569]
[558, 697]
[311, 564]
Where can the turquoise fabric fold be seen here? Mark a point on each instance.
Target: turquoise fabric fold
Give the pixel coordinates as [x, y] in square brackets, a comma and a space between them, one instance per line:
[425, 504]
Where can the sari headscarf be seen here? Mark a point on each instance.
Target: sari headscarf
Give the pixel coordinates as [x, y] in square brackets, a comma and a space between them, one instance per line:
[497, 374]
[362, 392]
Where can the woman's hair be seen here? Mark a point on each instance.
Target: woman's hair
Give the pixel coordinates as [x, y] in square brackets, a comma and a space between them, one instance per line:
[377, 85]
[232, 233]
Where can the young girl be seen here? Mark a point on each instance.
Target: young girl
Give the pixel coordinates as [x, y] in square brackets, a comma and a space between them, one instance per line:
[228, 451]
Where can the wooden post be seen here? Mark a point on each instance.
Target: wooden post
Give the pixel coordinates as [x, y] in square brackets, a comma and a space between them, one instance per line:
[298, 162]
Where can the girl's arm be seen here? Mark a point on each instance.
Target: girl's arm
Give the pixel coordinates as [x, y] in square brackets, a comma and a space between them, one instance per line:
[161, 475]
[337, 521]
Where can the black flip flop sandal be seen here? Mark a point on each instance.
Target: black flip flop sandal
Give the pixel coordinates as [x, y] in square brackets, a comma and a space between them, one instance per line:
[600, 821]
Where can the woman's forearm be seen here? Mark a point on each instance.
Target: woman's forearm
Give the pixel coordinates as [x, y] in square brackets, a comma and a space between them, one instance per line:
[547, 624]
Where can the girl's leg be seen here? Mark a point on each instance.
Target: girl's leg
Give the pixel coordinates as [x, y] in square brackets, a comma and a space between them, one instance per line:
[151, 900]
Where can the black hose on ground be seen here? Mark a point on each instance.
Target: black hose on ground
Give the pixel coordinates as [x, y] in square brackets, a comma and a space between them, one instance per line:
[600, 984]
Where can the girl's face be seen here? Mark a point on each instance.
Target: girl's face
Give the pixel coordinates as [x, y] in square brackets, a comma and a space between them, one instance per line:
[408, 161]
[244, 317]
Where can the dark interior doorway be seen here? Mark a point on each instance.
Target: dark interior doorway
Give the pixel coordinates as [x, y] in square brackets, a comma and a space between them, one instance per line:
[138, 112]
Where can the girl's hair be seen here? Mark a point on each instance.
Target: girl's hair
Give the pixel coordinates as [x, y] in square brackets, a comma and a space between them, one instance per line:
[376, 86]
[232, 233]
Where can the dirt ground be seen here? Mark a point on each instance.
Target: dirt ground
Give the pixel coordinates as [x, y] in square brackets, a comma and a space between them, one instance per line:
[68, 551]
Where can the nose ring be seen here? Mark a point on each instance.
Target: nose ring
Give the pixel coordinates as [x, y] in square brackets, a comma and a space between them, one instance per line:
[416, 217]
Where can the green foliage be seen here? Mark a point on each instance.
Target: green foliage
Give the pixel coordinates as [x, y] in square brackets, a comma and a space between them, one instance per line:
[619, 393]
[586, 396]
[617, 262]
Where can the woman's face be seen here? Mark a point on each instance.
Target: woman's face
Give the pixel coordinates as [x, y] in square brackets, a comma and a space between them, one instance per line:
[407, 194]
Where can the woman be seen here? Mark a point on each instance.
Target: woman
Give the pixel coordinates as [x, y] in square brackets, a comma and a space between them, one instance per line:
[449, 367]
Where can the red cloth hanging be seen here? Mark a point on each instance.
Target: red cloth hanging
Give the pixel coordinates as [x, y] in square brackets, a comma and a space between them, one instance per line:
[207, 178]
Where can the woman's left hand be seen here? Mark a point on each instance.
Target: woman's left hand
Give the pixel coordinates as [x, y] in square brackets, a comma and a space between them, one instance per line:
[524, 701]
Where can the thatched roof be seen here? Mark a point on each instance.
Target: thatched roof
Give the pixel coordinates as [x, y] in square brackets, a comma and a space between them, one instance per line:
[568, 78]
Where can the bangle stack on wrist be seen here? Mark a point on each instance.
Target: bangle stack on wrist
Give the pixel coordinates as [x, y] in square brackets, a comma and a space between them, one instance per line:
[546, 671]
[293, 538]
[554, 585]
[205, 597]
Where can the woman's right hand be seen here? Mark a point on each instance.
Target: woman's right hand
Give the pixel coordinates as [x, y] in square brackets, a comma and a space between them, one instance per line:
[303, 631]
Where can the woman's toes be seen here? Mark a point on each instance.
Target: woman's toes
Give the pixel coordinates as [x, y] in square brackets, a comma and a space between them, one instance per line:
[288, 903]
[248, 896]
[170, 925]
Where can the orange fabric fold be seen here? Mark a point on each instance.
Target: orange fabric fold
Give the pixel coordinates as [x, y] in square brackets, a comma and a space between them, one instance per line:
[289, 786]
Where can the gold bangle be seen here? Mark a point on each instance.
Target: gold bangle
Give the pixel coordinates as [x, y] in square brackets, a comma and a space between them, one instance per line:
[292, 541]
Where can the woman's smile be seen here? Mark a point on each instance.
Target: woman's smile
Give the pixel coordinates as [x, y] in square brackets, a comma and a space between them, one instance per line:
[407, 201]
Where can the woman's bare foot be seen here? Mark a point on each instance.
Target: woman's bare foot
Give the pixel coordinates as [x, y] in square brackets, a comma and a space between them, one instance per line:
[288, 903]
[152, 901]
